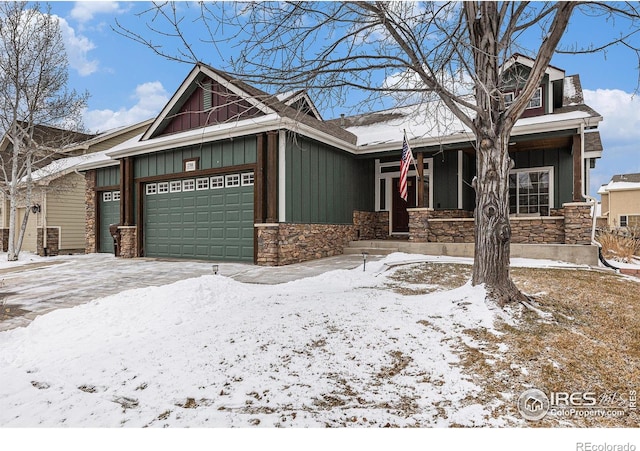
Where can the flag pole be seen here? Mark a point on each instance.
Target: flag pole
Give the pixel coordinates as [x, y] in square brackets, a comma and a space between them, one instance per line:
[411, 153]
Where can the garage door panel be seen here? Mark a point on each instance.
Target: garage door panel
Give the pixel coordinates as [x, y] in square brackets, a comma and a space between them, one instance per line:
[209, 224]
[109, 214]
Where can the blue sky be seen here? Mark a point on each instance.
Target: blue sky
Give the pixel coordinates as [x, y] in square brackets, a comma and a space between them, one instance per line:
[128, 83]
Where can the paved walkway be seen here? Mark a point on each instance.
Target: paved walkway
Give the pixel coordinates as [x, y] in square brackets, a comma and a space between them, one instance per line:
[37, 288]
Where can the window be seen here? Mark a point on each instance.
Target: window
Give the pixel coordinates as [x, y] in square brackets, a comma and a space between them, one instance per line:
[623, 220]
[202, 184]
[175, 186]
[163, 187]
[508, 98]
[536, 100]
[217, 181]
[151, 188]
[106, 197]
[115, 195]
[530, 192]
[630, 221]
[232, 180]
[247, 179]
[188, 185]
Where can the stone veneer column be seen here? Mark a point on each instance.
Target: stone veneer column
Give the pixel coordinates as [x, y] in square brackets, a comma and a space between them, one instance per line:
[128, 247]
[419, 224]
[91, 216]
[53, 240]
[577, 223]
[267, 243]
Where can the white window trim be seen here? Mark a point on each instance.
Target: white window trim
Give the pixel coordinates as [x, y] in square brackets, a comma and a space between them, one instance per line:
[163, 187]
[202, 184]
[115, 196]
[106, 196]
[232, 180]
[551, 188]
[151, 188]
[247, 175]
[538, 90]
[216, 182]
[513, 97]
[191, 182]
[175, 186]
[389, 176]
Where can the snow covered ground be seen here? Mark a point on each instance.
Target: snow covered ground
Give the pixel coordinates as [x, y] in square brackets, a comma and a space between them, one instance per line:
[337, 349]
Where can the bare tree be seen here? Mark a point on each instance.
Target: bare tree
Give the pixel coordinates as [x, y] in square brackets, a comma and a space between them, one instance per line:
[38, 115]
[343, 47]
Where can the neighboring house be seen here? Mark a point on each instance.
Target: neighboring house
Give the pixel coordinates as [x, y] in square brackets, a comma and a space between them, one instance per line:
[58, 204]
[229, 172]
[621, 201]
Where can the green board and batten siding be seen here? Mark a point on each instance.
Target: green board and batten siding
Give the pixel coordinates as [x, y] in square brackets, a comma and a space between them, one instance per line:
[324, 185]
[109, 176]
[234, 152]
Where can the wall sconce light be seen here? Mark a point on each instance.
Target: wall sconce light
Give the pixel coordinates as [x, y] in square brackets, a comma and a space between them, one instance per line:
[35, 209]
[214, 268]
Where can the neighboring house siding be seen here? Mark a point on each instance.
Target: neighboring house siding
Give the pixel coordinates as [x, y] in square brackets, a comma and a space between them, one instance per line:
[228, 153]
[623, 203]
[562, 162]
[325, 185]
[66, 210]
[109, 143]
[109, 176]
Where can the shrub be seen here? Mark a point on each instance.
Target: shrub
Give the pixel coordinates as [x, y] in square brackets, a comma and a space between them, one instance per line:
[619, 247]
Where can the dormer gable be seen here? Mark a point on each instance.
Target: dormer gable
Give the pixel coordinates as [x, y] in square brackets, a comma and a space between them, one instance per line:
[549, 95]
[300, 101]
[208, 97]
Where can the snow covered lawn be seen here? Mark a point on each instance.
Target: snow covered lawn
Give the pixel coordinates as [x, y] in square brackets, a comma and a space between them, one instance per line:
[334, 350]
[392, 346]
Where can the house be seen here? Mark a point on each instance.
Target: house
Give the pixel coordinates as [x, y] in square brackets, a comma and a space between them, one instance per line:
[621, 201]
[229, 172]
[58, 201]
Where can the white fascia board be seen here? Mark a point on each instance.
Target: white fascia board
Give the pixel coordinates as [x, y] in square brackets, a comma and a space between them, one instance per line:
[200, 135]
[97, 165]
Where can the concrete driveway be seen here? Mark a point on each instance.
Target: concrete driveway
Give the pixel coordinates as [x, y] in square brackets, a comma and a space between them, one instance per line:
[61, 282]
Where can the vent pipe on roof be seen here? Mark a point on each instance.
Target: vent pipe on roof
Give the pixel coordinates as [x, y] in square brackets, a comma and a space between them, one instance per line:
[342, 121]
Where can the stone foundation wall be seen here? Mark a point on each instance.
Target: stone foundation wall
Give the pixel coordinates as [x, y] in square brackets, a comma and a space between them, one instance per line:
[53, 241]
[128, 239]
[284, 244]
[91, 216]
[371, 225]
[570, 224]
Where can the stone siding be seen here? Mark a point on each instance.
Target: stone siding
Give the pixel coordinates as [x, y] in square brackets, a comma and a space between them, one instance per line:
[570, 224]
[53, 241]
[284, 244]
[91, 216]
[128, 239]
[371, 225]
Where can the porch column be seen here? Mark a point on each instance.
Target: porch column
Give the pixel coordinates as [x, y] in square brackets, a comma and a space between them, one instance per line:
[126, 190]
[272, 176]
[577, 168]
[420, 182]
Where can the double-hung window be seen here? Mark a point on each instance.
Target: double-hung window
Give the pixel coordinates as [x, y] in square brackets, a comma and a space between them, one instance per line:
[531, 191]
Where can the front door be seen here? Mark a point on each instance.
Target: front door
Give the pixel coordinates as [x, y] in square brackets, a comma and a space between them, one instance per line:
[400, 216]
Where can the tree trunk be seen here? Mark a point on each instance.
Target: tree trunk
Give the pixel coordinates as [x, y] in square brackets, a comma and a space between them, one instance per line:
[492, 228]
[11, 253]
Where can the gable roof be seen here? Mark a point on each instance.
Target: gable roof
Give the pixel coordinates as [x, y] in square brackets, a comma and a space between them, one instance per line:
[553, 72]
[621, 182]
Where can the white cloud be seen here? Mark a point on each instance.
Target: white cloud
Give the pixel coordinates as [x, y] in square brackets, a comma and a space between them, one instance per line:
[78, 47]
[86, 11]
[150, 98]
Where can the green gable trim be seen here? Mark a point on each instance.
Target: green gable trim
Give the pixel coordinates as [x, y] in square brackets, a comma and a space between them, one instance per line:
[325, 185]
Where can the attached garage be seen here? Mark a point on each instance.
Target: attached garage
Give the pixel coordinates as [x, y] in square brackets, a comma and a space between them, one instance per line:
[204, 217]
[109, 205]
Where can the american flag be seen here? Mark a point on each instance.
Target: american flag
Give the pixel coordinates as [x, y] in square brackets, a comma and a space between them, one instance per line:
[405, 162]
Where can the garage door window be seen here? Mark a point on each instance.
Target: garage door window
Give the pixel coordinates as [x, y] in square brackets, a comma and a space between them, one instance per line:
[247, 179]
[152, 188]
[188, 185]
[232, 180]
[106, 197]
[217, 182]
[115, 195]
[163, 187]
[175, 186]
[202, 184]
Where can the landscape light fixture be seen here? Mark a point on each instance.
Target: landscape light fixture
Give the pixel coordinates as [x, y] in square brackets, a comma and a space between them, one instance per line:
[364, 260]
[214, 268]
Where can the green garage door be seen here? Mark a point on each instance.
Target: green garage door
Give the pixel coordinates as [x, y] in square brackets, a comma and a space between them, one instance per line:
[204, 218]
[109, 204]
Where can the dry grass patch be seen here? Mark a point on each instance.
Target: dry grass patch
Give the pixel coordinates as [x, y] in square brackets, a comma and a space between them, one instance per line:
[428, 278]
[585, 337]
